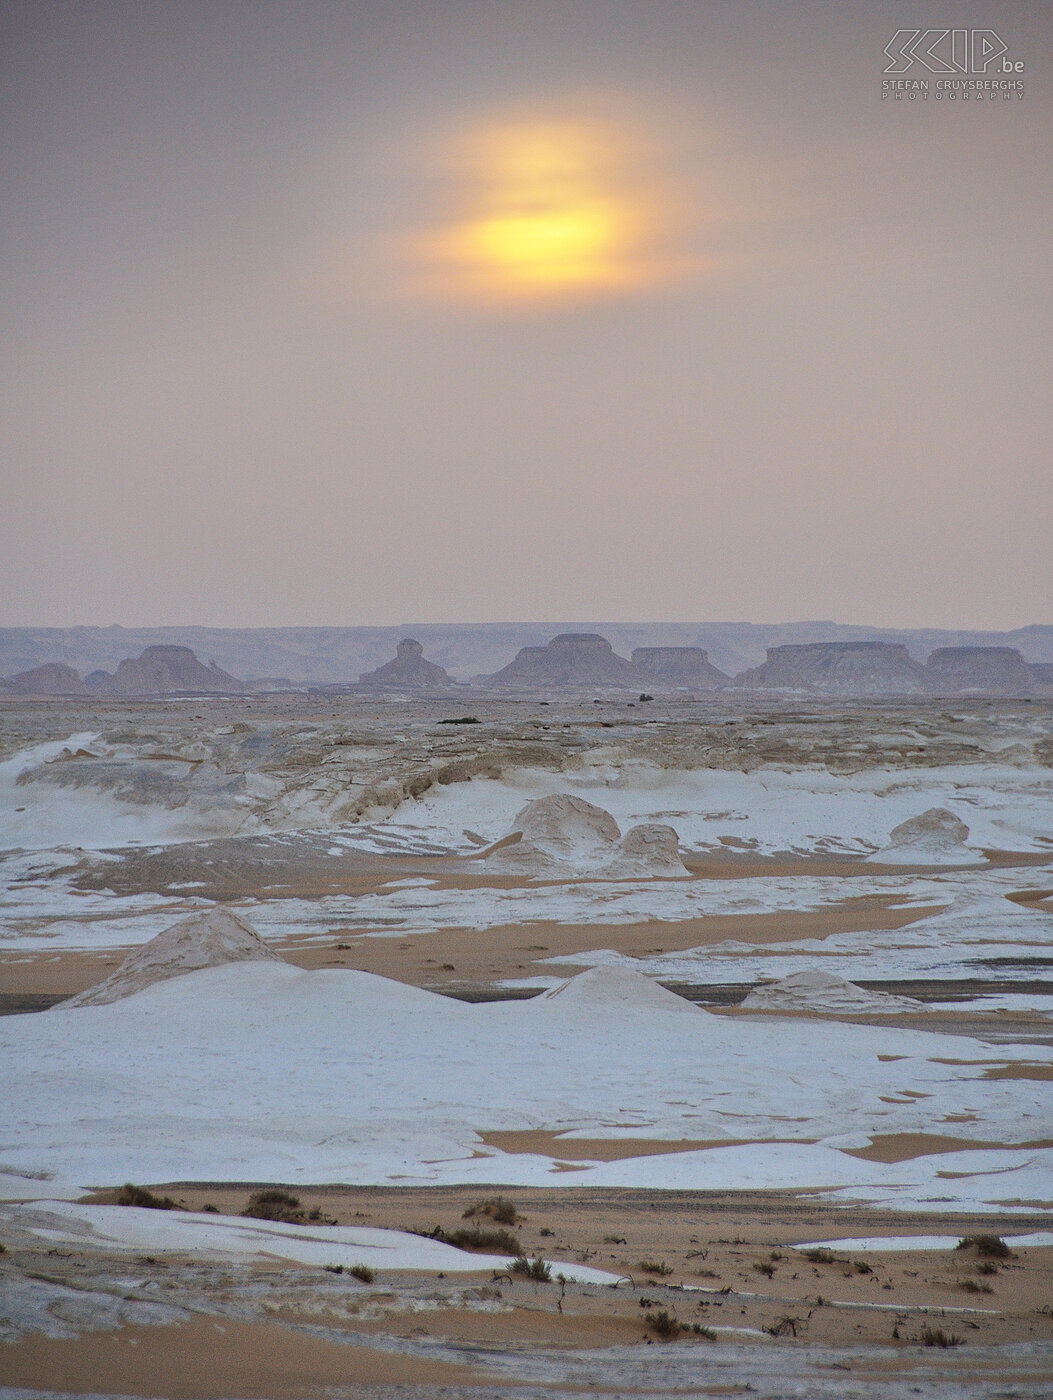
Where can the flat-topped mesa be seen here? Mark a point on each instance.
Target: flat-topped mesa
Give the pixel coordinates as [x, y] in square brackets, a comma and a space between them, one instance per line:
[581, 660]
[684, 668]
[408, 671]
[990, 670]
[840, 668]
[167, 670]
[53, 678]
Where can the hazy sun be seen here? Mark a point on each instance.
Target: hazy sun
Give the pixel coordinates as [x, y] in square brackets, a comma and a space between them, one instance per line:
[545, 210]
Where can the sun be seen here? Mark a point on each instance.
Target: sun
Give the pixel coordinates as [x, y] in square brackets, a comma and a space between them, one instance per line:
[547, 210]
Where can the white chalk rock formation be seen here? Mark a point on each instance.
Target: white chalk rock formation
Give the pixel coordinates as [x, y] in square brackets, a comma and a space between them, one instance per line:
[936, 837]
[647, 850]
[816, 990]
[564, 835]
[208, 939]
[608, 990]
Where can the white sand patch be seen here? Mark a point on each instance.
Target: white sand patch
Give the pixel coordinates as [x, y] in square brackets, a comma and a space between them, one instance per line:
[128, 1227]
[261, 1071]
[866, 1244]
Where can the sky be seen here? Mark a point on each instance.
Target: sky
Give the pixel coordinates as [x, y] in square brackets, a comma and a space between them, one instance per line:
[356, 312]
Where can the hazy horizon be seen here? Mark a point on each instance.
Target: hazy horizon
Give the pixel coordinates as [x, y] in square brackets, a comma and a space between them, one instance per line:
[338, 314]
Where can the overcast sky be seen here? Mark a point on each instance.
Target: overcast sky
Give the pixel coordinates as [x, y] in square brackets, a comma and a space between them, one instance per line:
[459, 310]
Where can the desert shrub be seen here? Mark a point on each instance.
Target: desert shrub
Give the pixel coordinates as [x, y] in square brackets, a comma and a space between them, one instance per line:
[130, 1195]
[970, 1285]
[763, 1267]
[654, 1266]
[987, 1267]
[820, 1256]
[784, 1326]
[861, 1266]
[462, 719]
[700, 1330]
[663, 1324]
[497, 1208]
[274, 1204]
[535, 1269]
[488, 1241]
[986, 1246]
[362, 1272]
[209, 1209]
[937, 1337]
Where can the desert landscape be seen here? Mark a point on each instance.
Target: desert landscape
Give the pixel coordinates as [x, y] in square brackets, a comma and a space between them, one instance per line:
[467, 1042]
[526, 700]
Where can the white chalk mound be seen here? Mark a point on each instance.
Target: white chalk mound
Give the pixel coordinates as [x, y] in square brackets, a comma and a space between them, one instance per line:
[936, 837]
[816, 990]
[208, 939]
[612, 990]
[564, 835]
[648, 849]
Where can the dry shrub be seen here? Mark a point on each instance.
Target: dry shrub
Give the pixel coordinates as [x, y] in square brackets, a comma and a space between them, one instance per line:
[663, 1324]
[535, 1269]
[937, 1337]
[487, 1241]
[131, 1195]
[275, 1204]
[986, 1246]
[497, 1208]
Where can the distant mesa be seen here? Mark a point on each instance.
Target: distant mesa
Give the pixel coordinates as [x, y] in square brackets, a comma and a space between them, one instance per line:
[571, 660]
[684, 668]
[840, 668]
[987, 670]
[209, 939]
[408, 671]
[53, 678]
[166, 670]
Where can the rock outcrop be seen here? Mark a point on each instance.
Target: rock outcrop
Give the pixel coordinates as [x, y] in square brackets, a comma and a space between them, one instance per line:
[563, 835]
[208, 939]
[936, 837]
[408, 671]
[988, 670]
[815, 990]
[679, 668]
[165, 670]
[573, 660]
[53, 678]
[839, 668]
